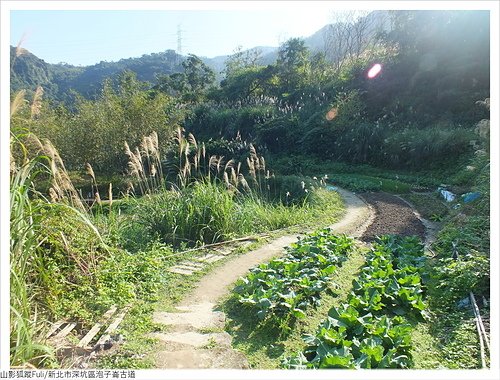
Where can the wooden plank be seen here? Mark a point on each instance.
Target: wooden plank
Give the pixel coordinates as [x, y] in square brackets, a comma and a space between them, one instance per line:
[54, 328]
[192, 264]
[65, 331]
[112, 327]
[214, 259]
[480, 320]
[95, 329]
[181, 271]
[189, 267]
[205, 257]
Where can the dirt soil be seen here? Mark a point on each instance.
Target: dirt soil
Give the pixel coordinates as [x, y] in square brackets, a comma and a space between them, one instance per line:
[392, 216]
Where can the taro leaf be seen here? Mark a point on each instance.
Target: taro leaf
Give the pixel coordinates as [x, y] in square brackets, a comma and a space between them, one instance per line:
[406, 295]
[310, 340]
[322, 259]
[363, 362]
[328, 270]
[264, 303]
[291, 267]
[366, 319]
[375, 299]
[323, 349]
[347, 315]
[297, 313]
[400, 335]
[297, 361]
[242, 282]
[409, 280]
[356, 286]
[419, 304]
[261, 314]
[387, 361]
[333, 336]
[318, 286]
[334, 313]
[337, 362]
[374, 349]
[356, 301]
[399, 310]
[401, 361]
[393, 287]
[247, 301]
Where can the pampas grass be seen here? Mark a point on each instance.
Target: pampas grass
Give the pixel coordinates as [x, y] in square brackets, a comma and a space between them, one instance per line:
[17, 102]
[36, 104]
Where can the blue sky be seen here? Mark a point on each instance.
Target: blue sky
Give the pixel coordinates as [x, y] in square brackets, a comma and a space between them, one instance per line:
[86, 37]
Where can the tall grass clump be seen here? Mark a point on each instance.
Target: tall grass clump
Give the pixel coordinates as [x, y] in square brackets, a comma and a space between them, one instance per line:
[25, 322]
[201, 199]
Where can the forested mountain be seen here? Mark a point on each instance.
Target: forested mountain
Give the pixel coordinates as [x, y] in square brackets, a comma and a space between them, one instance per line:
[421, 108]
[59, 80]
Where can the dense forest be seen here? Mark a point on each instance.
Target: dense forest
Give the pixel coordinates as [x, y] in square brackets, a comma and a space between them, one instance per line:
[118, 167]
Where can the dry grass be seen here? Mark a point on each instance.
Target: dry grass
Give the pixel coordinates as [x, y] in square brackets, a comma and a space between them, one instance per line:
[190, 165]
[18, 102]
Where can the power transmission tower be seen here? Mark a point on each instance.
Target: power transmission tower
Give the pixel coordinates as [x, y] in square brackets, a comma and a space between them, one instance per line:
[179, 43]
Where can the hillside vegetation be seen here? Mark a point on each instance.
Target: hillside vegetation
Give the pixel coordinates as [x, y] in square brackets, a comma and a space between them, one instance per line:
[118, 168]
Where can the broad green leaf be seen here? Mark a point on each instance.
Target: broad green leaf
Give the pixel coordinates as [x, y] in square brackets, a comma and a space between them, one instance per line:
[297, 313]
[337, 362]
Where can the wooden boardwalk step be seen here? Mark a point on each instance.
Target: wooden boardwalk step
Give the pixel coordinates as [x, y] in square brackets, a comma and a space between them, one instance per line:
[66, 330]
[192, 264]
[189, 267]
[95, 329]
[54, 328]
[112, 327]
[205, 257]
[185, 272]
[213, 259]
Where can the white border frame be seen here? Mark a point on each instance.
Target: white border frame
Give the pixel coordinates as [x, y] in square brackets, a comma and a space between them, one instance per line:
[493, 6]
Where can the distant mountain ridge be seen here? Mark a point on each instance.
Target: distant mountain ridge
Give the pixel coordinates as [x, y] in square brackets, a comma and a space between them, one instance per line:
[59, 80]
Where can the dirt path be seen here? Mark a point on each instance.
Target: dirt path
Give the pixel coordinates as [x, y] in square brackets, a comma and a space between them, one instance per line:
[196, 338]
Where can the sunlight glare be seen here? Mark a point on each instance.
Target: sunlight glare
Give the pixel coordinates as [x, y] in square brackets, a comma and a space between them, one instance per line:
[375, 70]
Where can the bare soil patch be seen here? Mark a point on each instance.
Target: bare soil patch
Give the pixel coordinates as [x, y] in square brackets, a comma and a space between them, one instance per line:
[392, 216]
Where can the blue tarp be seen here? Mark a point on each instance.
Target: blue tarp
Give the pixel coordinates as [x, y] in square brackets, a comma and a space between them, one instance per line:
[471, 197]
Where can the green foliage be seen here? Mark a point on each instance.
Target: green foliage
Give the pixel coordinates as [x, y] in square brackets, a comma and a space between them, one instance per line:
[454, 279]
[369, 331]
[61, 81]
[25, 225]
[364, 183]
[206, 212]
[431, 207]
[282, 289]
[98, 129]
[208, 120]
[426, 148]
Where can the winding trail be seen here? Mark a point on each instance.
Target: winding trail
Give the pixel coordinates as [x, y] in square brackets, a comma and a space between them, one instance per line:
[196, 337]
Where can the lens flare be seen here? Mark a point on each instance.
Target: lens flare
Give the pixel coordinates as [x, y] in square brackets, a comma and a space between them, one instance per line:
[375, 70]
[332, 114]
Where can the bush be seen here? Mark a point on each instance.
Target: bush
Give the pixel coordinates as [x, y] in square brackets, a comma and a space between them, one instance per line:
[426, 148]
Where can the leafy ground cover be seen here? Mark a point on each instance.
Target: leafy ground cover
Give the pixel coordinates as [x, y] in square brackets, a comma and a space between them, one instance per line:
[370, 330]
[286, 286]
[431, 207]
[263, 344]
